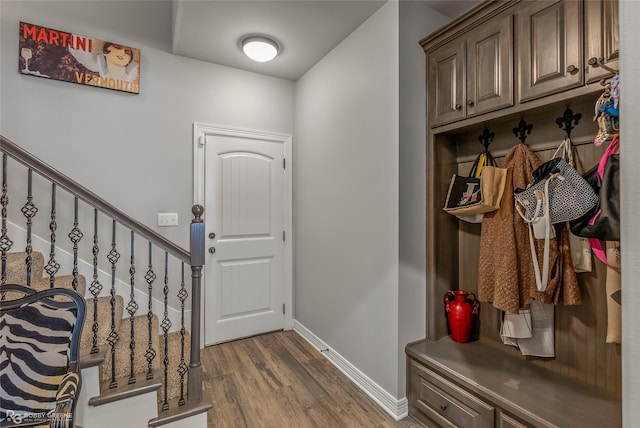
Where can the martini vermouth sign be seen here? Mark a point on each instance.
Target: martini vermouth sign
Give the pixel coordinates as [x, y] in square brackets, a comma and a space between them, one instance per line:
[61, 55]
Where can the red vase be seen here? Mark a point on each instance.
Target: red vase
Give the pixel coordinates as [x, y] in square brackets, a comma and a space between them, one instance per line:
[460, 307]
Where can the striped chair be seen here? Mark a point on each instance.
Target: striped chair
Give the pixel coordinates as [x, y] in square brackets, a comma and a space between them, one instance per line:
[39, 345]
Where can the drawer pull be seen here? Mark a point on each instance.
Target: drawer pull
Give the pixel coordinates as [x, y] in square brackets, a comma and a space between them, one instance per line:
[443, 407]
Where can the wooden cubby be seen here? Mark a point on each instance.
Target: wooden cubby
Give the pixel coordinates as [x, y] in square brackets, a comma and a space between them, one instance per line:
[445, 377]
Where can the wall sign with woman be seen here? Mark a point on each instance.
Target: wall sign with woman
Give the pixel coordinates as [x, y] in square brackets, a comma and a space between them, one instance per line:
[60, 55]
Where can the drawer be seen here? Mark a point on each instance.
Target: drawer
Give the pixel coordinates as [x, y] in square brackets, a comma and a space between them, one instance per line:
[445, 403]
[507, 421]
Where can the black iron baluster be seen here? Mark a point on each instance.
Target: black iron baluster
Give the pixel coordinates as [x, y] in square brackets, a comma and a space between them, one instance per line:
[132, 308]
[113, 337]
[29, 210]
[95, 287]
[75, 236]
[150, 354]
[183, 367]
[5, 242]
[166, 325]
[52, 266]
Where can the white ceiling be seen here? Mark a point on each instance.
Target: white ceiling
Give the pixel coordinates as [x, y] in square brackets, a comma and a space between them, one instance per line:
[306, 30]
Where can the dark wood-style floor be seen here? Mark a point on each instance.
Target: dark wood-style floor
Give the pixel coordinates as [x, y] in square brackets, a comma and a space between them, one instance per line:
[279, 380]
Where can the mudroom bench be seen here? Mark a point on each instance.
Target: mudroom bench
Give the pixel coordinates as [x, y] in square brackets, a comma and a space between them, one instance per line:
[475, 385]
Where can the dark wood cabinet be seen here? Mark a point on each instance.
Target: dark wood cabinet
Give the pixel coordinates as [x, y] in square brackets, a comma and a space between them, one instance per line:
[602, 43]
[447, 83]
[502, 62]
[550, 56]
[473, 74]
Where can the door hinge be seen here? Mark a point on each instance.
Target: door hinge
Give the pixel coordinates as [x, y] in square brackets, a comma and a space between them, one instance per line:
[284, 163]
[284, 237]
[283, 309]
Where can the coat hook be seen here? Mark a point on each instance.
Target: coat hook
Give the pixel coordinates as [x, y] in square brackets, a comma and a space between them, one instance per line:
[485, 138]
[568, 121]
[522, 130]
[599, 62]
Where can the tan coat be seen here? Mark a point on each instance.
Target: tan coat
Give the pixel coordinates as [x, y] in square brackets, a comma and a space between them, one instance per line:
[506, 277]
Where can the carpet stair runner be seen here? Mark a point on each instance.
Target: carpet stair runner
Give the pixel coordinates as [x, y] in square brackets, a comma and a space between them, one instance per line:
[17, 274]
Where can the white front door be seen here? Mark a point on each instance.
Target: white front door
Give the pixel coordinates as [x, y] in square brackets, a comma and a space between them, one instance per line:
[247, 200]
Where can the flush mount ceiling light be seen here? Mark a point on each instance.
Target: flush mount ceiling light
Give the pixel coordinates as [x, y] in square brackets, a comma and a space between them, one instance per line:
[259, 48]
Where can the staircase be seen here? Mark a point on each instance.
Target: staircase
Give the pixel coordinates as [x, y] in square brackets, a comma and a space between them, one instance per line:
[138, 368]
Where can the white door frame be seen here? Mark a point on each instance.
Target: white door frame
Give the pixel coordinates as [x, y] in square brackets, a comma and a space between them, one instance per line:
[200, 133]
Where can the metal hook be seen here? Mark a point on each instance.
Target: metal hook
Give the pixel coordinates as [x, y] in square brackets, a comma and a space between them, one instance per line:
[568, 121]
[522, 130]
[485, 138]
[599, 62]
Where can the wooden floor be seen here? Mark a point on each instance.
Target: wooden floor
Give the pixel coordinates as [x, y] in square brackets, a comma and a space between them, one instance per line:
[280, 380]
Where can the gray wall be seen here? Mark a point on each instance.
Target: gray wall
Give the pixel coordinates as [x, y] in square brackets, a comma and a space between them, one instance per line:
[346, 198]
[416, 22]
[629, 179]
[358, 263]
[112, 141]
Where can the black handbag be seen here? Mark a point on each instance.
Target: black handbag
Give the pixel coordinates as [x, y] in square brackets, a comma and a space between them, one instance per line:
[603, 221]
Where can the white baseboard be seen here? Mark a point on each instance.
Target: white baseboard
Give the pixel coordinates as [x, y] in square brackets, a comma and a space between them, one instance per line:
[398, 409]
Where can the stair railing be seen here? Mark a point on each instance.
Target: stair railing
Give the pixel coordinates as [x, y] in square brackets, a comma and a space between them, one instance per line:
[193, 258]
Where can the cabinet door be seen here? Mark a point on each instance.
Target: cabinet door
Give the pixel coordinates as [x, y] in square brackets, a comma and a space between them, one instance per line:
[550, 58]
[490, 66]
[445, 84]
[602, 41]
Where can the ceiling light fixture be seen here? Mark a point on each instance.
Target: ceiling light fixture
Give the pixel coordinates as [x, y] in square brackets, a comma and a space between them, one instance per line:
[260, 48]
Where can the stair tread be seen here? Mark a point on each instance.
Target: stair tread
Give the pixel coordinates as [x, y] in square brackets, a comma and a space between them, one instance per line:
[177, 412]
[125, 389]
[87, 359]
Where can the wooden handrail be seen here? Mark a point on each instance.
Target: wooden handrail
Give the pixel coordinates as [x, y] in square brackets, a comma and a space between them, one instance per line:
[61, 180]
[195, 257]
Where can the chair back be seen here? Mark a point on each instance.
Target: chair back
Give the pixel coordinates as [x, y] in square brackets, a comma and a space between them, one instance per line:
[39, 344]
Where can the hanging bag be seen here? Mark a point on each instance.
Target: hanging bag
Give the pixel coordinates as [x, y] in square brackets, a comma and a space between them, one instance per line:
[558, 194]
[568, 195]
[603, 221]
[469, 198]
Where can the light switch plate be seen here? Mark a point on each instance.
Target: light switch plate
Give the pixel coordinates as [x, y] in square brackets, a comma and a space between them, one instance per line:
[167, 219]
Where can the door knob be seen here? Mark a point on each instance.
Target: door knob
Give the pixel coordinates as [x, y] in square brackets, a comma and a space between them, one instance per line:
[470, 103]
[458, 107]
[212, 250]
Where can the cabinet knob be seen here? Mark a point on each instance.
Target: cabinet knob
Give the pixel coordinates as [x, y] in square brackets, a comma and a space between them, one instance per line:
[212, 250]
[572, 69]
[443, 407]
[470, 103]
[458, 107]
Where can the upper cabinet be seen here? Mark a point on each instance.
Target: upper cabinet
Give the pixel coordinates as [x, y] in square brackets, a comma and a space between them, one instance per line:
[505, 54]
[472, 75]
[602, 41]
[550, 54]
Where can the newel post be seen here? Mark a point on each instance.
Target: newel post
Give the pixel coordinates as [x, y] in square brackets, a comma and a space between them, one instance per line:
[197, 262]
